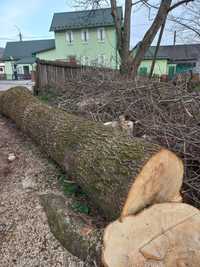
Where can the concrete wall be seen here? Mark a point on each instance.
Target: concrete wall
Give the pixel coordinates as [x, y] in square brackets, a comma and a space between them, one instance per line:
[85, 52]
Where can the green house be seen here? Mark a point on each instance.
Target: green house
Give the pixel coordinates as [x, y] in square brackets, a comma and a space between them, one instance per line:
[18, 57]
[84, 37]
[172, 60]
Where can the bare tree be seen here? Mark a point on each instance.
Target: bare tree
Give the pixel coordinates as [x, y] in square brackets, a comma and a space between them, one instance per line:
[129, 63]
[187, 23]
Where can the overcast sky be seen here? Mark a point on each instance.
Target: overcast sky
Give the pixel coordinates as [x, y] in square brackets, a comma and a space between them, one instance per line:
[33, 18]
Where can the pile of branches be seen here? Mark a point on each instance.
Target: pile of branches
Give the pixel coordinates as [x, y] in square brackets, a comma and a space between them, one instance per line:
[162, 113]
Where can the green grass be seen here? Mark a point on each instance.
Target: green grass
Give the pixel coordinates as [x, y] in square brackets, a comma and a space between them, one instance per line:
[71, 189]
[47, 95]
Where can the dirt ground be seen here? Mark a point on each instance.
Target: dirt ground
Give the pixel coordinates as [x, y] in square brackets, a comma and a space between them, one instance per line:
[25, 237]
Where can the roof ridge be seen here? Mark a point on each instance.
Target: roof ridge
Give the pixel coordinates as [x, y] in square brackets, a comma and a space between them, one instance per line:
[197, 44]
[86, 10]
[26, 41]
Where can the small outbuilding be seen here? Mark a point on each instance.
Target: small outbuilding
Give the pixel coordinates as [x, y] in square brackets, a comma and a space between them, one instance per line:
[172, 60]
[19, 57]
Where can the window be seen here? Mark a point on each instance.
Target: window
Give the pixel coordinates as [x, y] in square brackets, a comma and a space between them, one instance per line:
[69, 37]
[85, 60]
[85, 35]
[1, 69]
[143, 71]
[101, 34]
[26, 70]
[102, 60]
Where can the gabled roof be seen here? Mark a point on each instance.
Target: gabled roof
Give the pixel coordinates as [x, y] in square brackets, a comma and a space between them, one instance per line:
[1, 52]
[83, 19]
[175, 53]
[25, 49]
[26, 60]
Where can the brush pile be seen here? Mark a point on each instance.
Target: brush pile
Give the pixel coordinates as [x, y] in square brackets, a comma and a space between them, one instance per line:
[161, 112]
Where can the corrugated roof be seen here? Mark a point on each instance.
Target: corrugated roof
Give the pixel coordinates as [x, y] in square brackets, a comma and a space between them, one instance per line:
[25, 49]
[83, 19]
[175, 52]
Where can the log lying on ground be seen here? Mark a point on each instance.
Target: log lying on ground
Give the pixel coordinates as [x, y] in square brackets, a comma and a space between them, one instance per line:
[165, 234]
[76, 235]
[104, 163]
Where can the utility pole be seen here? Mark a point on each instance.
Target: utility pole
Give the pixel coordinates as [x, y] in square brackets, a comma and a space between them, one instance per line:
[20, 33]
[20, 36]
[174, 38]
[156, 49]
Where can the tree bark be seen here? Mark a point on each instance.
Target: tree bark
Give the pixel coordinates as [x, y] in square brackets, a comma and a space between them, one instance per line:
[76, 235]
[103, 162]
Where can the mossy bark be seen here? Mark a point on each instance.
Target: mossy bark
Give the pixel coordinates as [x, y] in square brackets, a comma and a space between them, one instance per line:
[78, 237]
[103, 162]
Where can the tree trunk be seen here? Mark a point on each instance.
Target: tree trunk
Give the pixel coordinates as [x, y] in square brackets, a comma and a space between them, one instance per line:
[103, 162]
[126, 65]
[150, 34]
[76, 235]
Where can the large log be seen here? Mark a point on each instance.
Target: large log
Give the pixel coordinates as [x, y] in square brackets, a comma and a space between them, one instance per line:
[103, 162]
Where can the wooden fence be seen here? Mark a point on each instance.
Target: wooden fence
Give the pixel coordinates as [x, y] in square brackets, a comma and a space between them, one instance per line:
[56, 74]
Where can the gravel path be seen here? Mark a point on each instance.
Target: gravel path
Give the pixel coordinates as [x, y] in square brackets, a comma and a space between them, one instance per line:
[25, 237]
[5, 85]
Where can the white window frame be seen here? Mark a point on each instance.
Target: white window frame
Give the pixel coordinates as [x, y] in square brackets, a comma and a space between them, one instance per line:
[85, 35]
[85, 60]
[100, 61]
[69, 37]
[101, 34]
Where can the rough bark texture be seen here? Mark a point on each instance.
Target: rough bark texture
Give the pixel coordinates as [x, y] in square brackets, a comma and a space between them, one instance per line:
[102, 162]
[78, 237]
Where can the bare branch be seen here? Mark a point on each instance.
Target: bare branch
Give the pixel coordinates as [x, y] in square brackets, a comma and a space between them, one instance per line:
[180, 3]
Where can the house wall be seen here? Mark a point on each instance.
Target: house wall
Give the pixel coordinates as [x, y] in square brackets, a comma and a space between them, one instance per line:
[20, 70]
[9, 69]
[80, 49]
[48, 55]
[161, 66]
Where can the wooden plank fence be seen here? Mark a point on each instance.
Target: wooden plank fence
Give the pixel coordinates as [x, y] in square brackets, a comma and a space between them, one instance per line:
[56, 74]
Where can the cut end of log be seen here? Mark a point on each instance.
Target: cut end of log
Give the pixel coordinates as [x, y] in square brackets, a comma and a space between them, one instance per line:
[159, 181]
[163, 235]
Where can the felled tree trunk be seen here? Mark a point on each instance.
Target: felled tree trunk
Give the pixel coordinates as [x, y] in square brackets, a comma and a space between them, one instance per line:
[104, 163]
